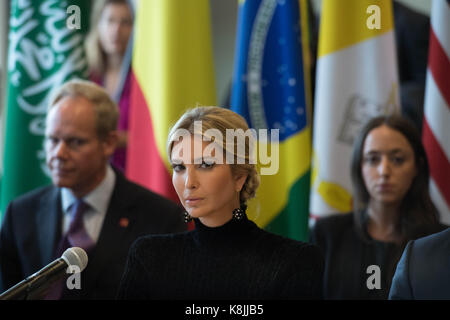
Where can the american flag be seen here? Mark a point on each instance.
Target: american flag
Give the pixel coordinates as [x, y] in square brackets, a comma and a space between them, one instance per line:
[436, 125]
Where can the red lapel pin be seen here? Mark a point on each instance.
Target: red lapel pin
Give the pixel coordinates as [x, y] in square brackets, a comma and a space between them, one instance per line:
[123, 222]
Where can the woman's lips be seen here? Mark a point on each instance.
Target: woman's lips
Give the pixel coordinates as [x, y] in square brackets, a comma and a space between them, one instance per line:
[384, 187]
[193, 201]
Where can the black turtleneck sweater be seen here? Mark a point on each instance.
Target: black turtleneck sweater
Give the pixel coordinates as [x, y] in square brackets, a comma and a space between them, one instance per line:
[235, 261]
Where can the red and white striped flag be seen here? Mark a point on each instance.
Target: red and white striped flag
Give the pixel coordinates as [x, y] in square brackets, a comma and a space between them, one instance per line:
[436, 137]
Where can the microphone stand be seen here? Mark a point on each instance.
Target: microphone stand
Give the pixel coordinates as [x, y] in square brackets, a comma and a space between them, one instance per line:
[34, 286]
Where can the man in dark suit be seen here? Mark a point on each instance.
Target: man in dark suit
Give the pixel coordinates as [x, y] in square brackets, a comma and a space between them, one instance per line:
[38, 226]
[423, 271]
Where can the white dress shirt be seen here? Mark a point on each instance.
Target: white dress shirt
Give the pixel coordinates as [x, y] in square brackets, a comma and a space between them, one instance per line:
[98, 201]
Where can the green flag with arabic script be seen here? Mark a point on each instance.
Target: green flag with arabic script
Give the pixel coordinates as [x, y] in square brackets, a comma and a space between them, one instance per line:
[45, 50]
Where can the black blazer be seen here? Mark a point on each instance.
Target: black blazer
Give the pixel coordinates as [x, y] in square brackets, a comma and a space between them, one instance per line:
[348, 257]
[423, 272]
[32, 229]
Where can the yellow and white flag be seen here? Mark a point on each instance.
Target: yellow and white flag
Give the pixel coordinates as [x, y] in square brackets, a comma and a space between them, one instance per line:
[356, 79]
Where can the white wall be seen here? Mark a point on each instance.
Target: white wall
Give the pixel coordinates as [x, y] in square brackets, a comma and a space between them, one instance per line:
[223, 20]
[423, 6]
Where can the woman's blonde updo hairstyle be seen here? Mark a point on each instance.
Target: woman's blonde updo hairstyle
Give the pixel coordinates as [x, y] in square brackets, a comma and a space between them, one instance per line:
[221, 119]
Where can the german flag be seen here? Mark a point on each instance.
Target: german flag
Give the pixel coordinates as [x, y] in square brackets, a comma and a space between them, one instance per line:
[172, 71]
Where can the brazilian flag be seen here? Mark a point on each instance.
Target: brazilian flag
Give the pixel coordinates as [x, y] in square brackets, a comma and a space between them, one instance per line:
[271, 89]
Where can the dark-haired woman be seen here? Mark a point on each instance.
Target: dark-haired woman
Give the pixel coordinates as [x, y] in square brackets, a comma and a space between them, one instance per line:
[391, 206]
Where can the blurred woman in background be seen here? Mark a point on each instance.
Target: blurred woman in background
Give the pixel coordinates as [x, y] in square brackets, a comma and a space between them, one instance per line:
[106, 45]
[392, 205]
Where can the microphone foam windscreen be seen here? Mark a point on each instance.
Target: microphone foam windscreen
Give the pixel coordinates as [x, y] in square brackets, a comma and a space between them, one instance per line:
[76, 256]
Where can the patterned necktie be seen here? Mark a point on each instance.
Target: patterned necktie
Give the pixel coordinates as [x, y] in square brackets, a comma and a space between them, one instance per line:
[76, 236]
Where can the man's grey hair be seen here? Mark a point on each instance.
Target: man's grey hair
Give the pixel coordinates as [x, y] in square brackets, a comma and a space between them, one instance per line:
[104, 107]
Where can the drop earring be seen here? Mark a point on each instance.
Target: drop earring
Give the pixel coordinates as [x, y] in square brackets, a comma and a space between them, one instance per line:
[238, 214]
[187, 217]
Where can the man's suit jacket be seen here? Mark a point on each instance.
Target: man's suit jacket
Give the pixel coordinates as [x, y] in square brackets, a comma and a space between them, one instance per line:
[423, 272]
[32, 228]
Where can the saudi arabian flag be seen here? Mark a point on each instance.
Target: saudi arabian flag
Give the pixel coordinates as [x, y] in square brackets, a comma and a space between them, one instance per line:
[45, 49]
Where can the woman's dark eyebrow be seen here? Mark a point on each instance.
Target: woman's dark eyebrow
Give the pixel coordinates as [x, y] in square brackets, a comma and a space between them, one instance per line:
[372, 152]
[393, 151]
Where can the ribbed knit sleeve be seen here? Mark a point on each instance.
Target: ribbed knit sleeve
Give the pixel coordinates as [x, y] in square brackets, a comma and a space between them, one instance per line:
[304, 279]
[135, 280]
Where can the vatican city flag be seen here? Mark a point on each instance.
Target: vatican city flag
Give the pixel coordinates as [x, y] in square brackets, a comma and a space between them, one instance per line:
[356, 79]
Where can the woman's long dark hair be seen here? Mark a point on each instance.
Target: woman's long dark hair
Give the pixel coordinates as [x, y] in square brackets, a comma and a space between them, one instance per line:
[418, 215]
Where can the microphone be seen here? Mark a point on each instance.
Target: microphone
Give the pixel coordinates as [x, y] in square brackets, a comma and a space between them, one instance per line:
[75, 257]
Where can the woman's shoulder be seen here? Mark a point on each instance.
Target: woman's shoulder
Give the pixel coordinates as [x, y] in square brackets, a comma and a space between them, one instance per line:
[295, 267]
[336, 221]
[155, 242]
[332, 229]
[287, 246]
[289, 255]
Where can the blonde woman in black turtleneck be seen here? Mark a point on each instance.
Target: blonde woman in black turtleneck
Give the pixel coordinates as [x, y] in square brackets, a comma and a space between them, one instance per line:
[227, 256]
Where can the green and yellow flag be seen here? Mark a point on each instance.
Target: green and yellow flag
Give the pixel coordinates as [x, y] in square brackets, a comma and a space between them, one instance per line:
[271, 89]
[45, 49]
